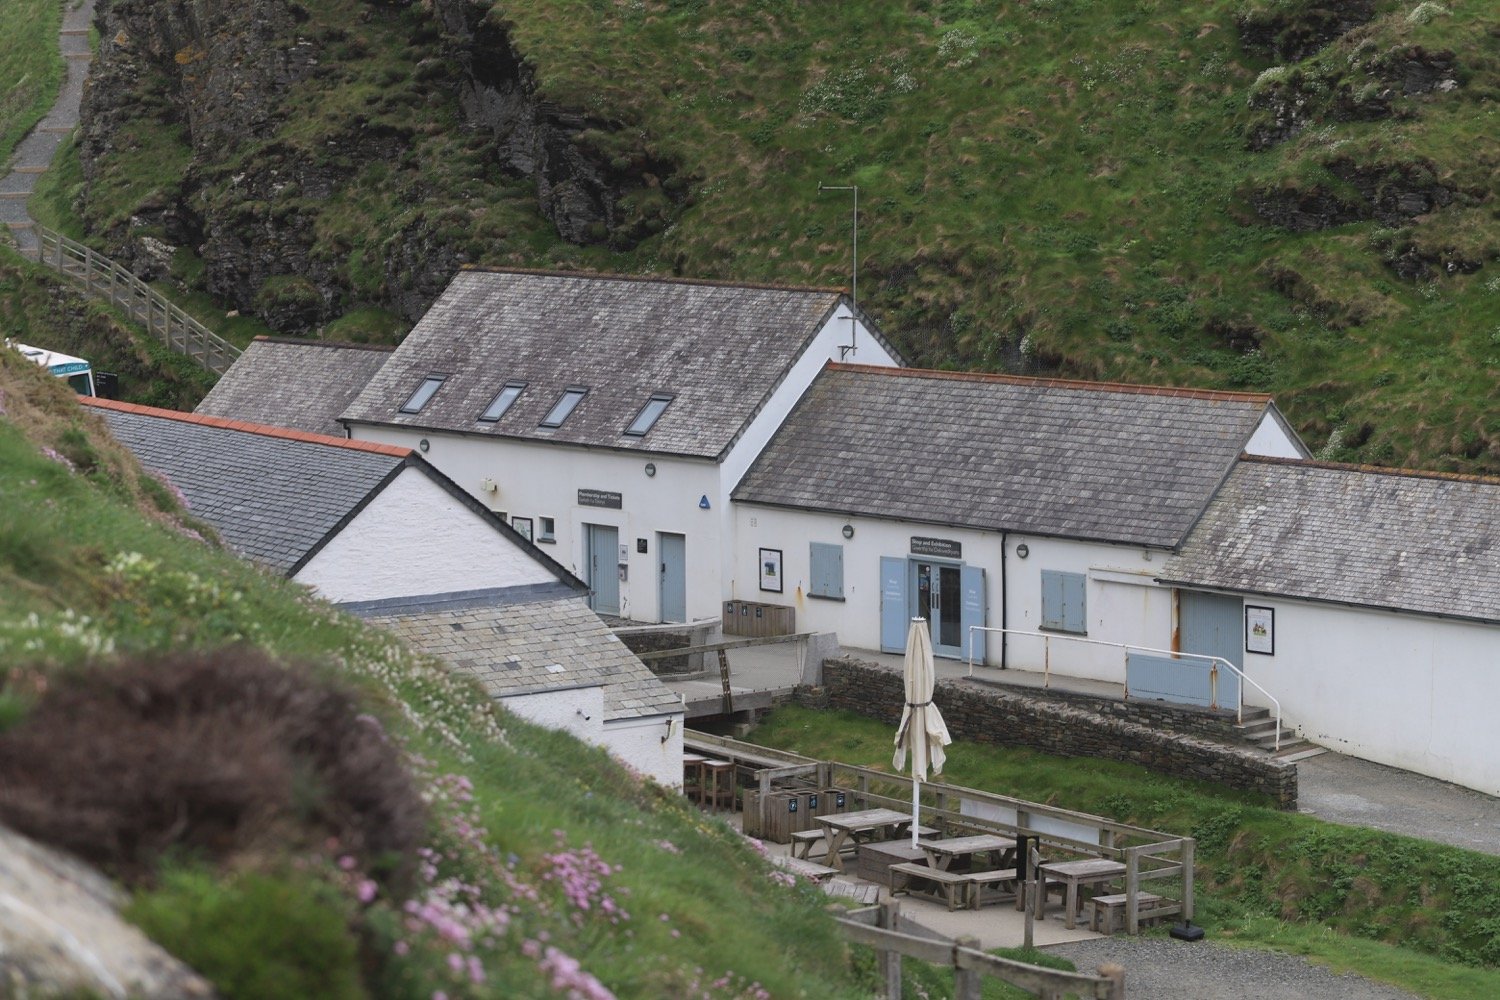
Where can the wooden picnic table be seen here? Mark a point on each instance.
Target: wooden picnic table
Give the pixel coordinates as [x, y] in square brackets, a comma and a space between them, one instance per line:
[1074, 874]
[856, 827]
[943, 852]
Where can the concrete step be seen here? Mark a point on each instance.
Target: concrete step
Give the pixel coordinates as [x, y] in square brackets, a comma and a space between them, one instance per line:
[1310, 751]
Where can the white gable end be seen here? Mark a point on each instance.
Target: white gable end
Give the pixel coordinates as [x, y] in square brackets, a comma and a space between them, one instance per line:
[1273, 440]
[415, 538]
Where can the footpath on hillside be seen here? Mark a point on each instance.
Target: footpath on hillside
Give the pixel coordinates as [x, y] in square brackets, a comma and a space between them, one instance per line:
[35, 153]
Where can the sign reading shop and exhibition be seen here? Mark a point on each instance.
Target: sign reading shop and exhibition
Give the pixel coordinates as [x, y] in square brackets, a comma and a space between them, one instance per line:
[943, 548]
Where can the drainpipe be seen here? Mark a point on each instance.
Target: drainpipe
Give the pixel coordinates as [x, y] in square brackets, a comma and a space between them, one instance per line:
[1004, 602]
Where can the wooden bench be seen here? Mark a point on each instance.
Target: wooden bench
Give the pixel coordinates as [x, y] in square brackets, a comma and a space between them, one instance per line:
[949, 887]
[1001, 882]
[1104, 909]
[810, 870]
[803, 841]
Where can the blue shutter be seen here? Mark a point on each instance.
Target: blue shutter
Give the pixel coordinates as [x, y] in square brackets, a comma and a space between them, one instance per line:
[825, 576]
[1052, 599]
[973, 613]
[892, 604]
[1075, 616]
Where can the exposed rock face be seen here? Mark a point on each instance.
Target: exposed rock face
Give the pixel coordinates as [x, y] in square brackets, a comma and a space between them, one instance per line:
[1392, 194]
[60, 933]
[1288, 34]
[245, 81]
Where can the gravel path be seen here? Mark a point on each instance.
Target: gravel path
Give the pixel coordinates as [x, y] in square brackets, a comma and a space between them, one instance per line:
[35, 152]
[1168, 969]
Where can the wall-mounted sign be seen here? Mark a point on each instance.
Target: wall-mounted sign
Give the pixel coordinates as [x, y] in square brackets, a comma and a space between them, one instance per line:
[770, 571]
[600, 498]
[945, 548]
[1260, 630]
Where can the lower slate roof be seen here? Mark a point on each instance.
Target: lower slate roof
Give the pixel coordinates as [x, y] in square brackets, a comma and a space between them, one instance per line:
[1421, 542]
[1095, 461]
[272, 494]
[527, 640]
[302, 384]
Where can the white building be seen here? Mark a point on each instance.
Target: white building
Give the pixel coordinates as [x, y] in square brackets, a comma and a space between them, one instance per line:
[985, 500]
[1367, 601]
[377, 530]
[610, 417]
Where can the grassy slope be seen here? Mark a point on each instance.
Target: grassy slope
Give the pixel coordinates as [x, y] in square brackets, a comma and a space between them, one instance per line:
[1392, 908]
[31, 69]
[540, 794]
[1029, 194]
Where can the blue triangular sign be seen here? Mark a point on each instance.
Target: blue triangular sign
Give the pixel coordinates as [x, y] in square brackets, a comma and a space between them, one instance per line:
[703, 501]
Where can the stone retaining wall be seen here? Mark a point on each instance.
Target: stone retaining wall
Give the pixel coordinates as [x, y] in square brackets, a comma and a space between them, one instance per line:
[983, 715]
[1213, 724]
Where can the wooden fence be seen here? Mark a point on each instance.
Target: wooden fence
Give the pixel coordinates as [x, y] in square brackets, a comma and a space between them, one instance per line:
[103, 279]
[879, 927]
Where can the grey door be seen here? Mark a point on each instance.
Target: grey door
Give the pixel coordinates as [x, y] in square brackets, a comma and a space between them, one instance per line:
[937, 591]
[602, 559]
[1213, 624]
[671, 552]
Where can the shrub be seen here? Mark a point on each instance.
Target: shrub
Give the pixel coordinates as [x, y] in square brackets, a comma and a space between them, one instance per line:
[216, 753]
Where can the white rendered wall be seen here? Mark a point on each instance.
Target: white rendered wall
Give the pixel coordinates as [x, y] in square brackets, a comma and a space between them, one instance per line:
[1399, 689]
[415, 538]
[578, 711]
[1124, 604]
[639, 743]
[1273, 440]
[539, 480]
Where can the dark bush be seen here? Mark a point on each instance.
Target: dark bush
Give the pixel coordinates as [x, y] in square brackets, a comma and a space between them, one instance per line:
[212, 753]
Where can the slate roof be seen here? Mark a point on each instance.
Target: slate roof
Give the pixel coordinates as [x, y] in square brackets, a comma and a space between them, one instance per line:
[526, 640]
[1381, 538]
[1096, 461]
[719, 349]
[272, 494]
[302, 384]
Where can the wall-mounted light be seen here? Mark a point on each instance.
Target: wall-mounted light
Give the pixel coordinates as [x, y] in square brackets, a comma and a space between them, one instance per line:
[586, 717]
[650, 469]
[423, 444]
[848, 531]
[670, 721]
[1022, 551]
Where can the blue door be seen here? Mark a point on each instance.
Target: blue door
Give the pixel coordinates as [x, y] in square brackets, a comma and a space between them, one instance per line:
[602, 559]
[1212, 624]
[672, 589]
[894, 614]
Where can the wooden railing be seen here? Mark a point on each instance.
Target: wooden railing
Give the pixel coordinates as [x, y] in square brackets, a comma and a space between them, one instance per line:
[103, 279]
[880, 928]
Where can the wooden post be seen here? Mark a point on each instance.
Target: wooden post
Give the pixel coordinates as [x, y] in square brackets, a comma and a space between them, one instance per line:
[889, 962]
[1189, 848]
[1132, 890]
[967, 983]
[1026, 855]
[1116, 976]
[727, 705]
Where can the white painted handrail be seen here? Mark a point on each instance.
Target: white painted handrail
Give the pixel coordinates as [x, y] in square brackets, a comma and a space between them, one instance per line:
[1214, 662]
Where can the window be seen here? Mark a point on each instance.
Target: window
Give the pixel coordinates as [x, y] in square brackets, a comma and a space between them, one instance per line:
[502, 402]
[1063, 608]
[825, 576]
[650, 413]
[522, 526]
[564, 406]
[546, 529]
[424, 394]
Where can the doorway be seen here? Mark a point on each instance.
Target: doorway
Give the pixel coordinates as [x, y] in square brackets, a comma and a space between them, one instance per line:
[937, 590]
[672, 576]
[1212, 624]
[602, 560]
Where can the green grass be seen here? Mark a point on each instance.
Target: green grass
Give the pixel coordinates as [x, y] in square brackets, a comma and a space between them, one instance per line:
[31, 68]
[1392, 908]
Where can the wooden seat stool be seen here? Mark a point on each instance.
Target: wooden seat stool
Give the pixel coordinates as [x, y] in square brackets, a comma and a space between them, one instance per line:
[803, 842]
[1002, 883]
[1104, 909]
[718, 783]
[951, 887]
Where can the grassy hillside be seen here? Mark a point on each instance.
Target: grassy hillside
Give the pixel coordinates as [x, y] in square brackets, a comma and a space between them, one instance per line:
[541, 867]
[1249, 194]
[30, 68]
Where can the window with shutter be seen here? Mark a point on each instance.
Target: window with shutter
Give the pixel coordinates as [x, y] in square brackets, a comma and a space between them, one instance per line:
[825, 576]
[1063, 602]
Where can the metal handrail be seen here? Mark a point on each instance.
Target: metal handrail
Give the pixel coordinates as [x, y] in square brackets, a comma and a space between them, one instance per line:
[1214, 661]
[104, 279]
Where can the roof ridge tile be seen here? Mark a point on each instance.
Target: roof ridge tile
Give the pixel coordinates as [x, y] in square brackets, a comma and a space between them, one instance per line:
[263, 430]
[1379, 470]
[1059, 383]
[661, 279]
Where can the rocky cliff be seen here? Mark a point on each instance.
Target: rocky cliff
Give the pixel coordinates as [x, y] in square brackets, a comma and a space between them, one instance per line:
[318, 163]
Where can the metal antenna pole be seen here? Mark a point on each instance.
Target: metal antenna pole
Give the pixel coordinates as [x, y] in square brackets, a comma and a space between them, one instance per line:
[853, 345]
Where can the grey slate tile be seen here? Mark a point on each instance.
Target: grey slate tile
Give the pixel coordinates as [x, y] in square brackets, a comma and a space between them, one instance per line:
[301, 384]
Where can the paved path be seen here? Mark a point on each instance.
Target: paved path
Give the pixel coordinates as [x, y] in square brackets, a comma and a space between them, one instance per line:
[35, 152]
[1167, 969]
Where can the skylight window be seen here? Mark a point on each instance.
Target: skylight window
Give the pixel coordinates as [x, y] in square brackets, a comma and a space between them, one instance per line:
[424, 394]
[650, 413]
[502, 402]
[564, 406]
